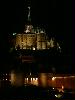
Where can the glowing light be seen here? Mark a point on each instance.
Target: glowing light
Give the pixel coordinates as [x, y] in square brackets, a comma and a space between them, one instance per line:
[36, 78]
[58, 96]
[6, 79]
[33, 48]
[3, 79]
[59, 47]
[65, 77]
[43, 79]
[53, 78]
[31, 79]
[14, 33]
[27, 26]
[6, 74]
[27, 31]
[42, 31]
[35, 82]
[27, 79]
[12, 77]
[53, 88]
[62, 87]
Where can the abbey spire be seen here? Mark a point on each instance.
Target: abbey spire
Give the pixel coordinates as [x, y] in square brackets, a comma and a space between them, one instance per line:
[29, 16]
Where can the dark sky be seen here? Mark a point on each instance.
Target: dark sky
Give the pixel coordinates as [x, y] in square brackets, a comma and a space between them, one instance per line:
[54, 15]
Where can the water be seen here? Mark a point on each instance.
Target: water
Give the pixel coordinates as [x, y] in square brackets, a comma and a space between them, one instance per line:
[18, 78]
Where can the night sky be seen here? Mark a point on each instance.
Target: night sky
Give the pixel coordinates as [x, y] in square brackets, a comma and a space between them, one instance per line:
[53, 15]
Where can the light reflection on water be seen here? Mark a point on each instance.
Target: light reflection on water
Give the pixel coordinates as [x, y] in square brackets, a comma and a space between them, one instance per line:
[43, 79]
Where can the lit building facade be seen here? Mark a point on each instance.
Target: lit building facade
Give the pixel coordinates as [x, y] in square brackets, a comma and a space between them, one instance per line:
[33, 38]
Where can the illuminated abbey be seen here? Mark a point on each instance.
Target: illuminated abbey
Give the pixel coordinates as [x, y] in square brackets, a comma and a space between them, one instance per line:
[33, 38]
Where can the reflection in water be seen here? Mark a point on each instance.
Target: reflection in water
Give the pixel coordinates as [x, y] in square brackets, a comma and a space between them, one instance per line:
[12, 77]
[34, 81]
[21, 79]
[42, 79]
[16, 78]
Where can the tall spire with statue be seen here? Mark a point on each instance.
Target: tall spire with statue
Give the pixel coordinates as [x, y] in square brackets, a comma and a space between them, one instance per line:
[28, 26]
[29, 17]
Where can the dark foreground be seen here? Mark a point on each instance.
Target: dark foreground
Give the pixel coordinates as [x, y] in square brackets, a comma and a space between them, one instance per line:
[34, 93]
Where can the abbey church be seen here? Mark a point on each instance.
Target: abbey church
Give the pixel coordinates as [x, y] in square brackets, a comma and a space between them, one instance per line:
[34, 38]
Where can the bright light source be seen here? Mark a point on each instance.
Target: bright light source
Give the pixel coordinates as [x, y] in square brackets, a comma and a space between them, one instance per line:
[53, 78]
[62, 87]
[59, 47]
[56, 96]
[14, 33]
[53, 88]
[27, 79]
[6, 74]
[33, 48]
[42, 31]
[36, 78]
[6, 79]
[31, 79]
